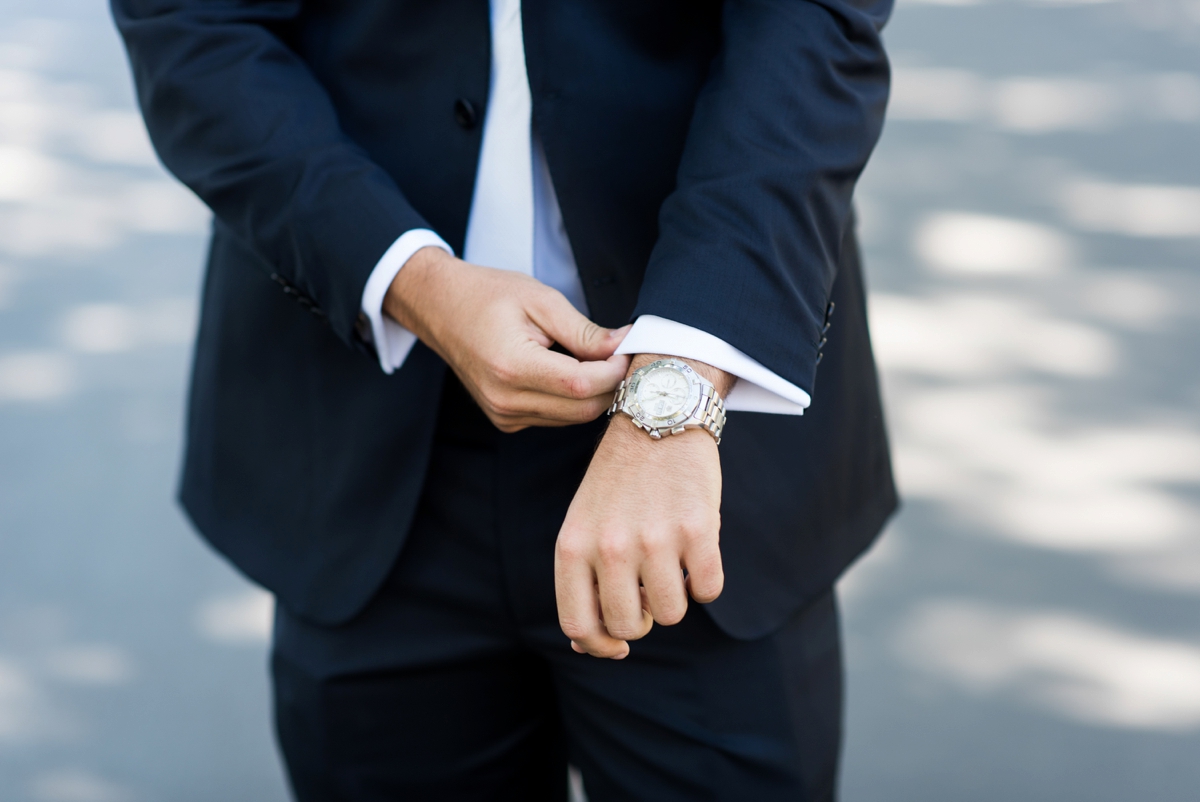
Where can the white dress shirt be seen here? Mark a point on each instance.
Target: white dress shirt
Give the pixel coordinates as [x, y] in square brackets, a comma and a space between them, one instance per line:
[516, 224]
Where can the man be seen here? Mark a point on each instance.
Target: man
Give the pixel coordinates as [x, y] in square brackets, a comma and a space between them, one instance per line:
[468, 595]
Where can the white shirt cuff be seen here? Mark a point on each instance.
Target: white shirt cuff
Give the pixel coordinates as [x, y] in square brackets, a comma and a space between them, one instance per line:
[392, 341]
[757, 389]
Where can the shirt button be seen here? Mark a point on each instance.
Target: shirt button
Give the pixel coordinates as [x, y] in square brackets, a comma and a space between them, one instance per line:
[464, 113]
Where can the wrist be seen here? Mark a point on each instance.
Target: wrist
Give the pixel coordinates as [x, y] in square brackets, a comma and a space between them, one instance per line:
[624, 433]
[723, 382]
[414, 285]
[666, 395]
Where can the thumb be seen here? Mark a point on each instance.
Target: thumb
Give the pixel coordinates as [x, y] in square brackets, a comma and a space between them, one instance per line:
[564, 324]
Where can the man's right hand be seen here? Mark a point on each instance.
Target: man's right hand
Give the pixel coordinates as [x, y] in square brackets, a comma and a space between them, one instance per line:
[495, 329]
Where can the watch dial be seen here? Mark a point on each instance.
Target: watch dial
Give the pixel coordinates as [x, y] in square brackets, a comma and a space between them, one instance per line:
[663, 392]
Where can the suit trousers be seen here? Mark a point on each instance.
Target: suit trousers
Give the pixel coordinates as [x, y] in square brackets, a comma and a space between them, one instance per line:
[456, 683]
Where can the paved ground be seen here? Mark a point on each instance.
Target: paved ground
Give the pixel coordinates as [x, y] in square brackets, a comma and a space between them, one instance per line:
[1029, 627]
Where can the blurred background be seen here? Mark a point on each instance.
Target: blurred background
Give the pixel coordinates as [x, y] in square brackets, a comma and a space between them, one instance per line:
[1028, 628]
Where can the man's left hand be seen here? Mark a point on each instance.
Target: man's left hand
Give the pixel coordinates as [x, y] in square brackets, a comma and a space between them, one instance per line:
[647, 510]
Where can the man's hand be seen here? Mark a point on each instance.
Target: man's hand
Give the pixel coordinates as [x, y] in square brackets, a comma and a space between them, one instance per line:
[495, 328]
[646, 511]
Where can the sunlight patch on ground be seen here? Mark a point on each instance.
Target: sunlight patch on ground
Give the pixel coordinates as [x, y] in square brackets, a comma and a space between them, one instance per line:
[244, 617]
[26, 174]
[90, 664]
[976, 433]
[102, 328]
[76, 177]
[938, 95]
[27, 715]
[1030, 105]
[1129, 299]
[105, 328]
[1066, 664]
[35, 376]
[8, 279]
[971, 335]
[1175, 95]
[17, 704]
[1027, 2]
[978, 244]
[84, 219]
[1135, 210]
[76, 785]
[1176, 570]
[117, 137]
[1043, 105]
[99, 328]
[994, 456]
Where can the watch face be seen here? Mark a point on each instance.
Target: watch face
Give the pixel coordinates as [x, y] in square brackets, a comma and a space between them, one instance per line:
[665, 396]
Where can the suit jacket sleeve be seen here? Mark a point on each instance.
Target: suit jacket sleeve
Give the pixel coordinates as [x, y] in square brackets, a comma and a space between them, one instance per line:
[749, 239]
[238, 117]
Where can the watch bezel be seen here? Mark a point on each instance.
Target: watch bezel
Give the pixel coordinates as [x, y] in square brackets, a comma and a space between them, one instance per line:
[675, 420]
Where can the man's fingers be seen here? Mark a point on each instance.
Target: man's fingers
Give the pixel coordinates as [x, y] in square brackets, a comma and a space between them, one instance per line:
[564, 376]
[549, 410]
[706, 577]
[621, 603]
[665, 590]
[579, 606]
[583, 338]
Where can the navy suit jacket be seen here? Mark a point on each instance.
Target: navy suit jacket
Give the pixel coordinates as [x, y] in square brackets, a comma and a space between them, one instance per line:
[704, 155]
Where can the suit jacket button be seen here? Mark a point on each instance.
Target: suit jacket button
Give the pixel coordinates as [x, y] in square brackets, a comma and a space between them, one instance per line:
[465, 114]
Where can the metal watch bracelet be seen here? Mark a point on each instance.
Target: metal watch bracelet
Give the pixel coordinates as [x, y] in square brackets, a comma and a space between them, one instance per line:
[708, 415]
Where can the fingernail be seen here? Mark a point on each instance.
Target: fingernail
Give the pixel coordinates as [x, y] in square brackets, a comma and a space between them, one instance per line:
[621, 332]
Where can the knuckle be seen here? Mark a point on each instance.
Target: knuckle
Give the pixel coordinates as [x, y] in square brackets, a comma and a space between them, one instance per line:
[657, 543]
[578, 388]
[489, 403]
[695, 528]
[591, 332]
[575, 630]
[671, 614]
[504, 372]
[569, 549]
[613, 548]
[501, 404]
[541, 294]
[708, 587]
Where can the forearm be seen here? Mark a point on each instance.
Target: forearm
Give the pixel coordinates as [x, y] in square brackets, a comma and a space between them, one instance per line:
[424, 284]
[749, 240]
[240, 118]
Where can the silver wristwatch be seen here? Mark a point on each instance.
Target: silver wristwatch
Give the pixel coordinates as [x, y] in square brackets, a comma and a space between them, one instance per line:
[668, 396]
